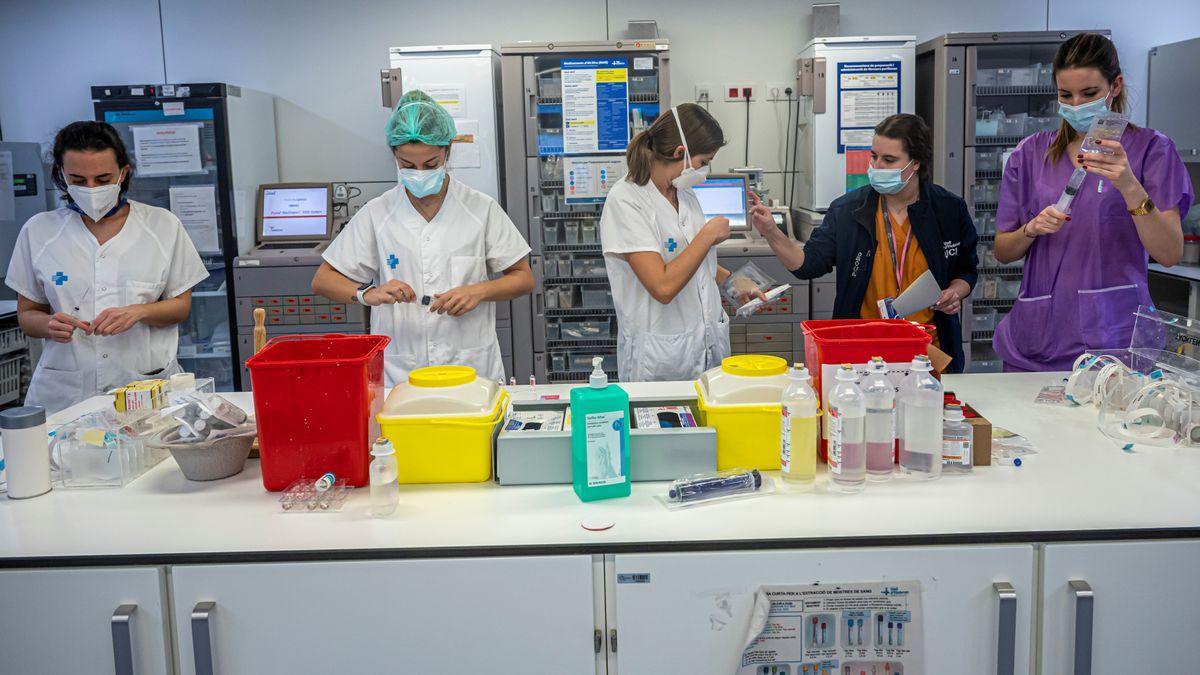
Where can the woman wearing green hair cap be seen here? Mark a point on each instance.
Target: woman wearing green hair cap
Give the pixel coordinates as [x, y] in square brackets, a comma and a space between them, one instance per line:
[421, 255]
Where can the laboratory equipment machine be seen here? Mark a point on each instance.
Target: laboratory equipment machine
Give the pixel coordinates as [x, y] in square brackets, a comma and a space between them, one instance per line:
[465, 80]
[569, 111]
[23, 189]
[982, 93]
[200, 150]
[293, 225]
[774, 328]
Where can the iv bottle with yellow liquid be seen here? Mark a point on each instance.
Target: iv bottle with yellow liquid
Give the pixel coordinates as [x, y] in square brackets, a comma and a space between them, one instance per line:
[798, 440]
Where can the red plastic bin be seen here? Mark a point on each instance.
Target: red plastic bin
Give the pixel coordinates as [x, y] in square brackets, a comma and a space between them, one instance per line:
[315, 401]
[838, 341]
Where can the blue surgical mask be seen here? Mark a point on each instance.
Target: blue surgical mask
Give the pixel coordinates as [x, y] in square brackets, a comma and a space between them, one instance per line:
[888, 181]
[422, 183]
[1081, 116]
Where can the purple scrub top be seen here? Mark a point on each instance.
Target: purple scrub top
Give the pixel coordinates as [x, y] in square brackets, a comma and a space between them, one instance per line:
[1082, 284]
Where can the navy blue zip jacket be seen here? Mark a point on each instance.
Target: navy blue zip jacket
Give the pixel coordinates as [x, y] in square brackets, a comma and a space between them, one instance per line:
[845, 241]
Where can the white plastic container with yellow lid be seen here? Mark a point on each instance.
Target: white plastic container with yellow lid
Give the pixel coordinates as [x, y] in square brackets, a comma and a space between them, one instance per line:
[742, 400]
[442, 390]
[442, 422]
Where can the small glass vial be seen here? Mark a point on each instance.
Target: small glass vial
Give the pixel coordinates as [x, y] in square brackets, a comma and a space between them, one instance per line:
[385, 476]
[957, 436]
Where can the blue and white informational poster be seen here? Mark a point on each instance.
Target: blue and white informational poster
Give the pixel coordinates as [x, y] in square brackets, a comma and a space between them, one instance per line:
[868, 93]
[587, 180]
[595, 105]
[840, 629]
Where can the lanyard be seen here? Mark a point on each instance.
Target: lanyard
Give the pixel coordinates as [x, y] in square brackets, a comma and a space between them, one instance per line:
[897, 265]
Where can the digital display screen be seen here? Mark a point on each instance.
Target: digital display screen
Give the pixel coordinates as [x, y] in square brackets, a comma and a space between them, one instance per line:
[295, 212]
[723, 197]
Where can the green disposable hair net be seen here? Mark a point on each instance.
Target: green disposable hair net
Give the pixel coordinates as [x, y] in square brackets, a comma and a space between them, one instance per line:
[419, 119]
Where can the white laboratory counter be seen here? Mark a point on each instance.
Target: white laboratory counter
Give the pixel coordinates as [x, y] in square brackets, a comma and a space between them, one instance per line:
[1080, 486]
[1181, 271]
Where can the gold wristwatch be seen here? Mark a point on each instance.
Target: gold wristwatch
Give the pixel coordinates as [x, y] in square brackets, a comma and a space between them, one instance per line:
[1143, 208]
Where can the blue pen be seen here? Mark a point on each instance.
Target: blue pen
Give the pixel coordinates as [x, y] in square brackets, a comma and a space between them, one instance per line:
[709, 487]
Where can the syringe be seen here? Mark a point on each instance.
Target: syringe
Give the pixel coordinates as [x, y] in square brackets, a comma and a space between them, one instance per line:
[1068, 195]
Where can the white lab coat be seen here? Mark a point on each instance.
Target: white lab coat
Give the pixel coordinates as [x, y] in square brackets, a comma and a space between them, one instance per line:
[657, 342]
[469, 238]
[58, 262]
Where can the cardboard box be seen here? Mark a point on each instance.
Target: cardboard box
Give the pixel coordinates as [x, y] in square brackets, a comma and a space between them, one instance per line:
[981, 444]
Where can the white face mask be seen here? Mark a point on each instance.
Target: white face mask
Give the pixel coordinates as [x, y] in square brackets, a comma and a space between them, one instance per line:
[96, 202]
[690, 177]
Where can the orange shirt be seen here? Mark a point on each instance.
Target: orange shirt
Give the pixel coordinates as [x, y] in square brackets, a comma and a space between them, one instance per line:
[883, 273]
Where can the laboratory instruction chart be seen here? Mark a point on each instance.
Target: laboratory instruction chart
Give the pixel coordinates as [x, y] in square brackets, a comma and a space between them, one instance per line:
[868, 93]
[836, 629]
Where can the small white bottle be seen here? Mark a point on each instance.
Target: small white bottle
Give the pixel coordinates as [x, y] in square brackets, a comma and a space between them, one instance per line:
[385, 476]
[881, 421]
[957, 439]
[847, 433]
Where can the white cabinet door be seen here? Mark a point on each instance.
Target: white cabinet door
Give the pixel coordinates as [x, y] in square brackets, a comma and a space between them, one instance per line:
[493, 615]
[1145, 606]
[691, 614]
[67, 621]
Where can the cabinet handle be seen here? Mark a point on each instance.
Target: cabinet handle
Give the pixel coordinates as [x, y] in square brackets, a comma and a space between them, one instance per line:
[122, 637]
[202, 637]
[1084, 606]
[612, 640]
[1006, 628]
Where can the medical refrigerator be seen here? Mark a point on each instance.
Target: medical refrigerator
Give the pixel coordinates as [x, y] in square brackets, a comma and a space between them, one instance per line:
[569, 111]
[982, 93]
[200, 150]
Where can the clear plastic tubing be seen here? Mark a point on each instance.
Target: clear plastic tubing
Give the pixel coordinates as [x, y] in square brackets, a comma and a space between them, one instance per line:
[921, 405]
[847, 440]
[881, 421]
[1069, 192]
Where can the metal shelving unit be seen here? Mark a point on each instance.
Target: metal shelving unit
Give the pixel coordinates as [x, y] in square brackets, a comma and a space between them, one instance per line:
[561, 223]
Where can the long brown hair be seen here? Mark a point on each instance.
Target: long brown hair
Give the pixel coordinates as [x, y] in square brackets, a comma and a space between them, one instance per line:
[659, 141]
[1086, 50]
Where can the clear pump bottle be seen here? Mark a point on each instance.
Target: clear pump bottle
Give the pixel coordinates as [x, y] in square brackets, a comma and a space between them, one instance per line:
[957, 440]
[385, 479]
[921, 411]
[847, 432]
[880, 396]
[798, 440]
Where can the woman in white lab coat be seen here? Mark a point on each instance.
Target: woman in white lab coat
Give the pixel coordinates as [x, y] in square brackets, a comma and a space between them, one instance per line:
[104, 280]
[420, 255]
[660, 252]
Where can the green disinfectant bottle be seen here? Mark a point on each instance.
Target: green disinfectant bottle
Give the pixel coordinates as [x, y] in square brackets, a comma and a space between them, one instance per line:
[599, 438]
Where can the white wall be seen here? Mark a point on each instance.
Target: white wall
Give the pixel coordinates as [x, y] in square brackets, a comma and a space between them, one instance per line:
[321, 59]
[51, 53]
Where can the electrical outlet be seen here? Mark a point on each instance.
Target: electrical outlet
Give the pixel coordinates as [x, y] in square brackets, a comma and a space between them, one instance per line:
[733, 92]
[775, 91]
[704, 92]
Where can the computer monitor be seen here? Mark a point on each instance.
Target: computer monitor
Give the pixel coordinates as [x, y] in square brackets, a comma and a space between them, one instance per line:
[724, 194]
[294, 212]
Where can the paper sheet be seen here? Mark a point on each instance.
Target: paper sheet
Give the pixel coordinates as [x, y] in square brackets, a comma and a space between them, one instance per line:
[836, 628]
[464, 152]
[196, 208]
[167, 149]
[920, 294]
[452, 97]
[588, 179]
[8, 199]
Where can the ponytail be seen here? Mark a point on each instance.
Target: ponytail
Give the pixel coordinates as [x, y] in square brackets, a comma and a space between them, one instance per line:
[661, 139]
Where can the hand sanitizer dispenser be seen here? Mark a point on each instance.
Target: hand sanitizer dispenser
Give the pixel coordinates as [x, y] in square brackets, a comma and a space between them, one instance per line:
[600, 438]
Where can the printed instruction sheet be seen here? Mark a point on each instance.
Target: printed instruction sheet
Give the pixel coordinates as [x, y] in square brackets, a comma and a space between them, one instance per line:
[836, 629]
[167, 149]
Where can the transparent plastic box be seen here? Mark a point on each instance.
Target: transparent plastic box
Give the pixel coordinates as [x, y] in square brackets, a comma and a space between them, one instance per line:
[597, 298]
[586, 330]
[102, 450]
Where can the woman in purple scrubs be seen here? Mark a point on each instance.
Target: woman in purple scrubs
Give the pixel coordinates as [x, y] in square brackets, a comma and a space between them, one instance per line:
[1085, 273]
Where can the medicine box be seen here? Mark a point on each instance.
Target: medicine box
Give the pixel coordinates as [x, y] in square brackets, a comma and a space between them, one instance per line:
[663, 417]
[542, 457]
[535, 420]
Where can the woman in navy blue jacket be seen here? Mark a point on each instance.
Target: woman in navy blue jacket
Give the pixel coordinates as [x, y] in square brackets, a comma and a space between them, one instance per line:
[880, 238]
